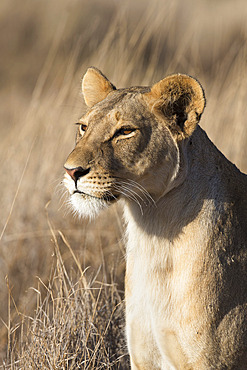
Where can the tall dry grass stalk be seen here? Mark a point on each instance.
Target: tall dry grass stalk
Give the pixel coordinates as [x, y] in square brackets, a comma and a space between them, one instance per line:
[45, 49]
[78, 324]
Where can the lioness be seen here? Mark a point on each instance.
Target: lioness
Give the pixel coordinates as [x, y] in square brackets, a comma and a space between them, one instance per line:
[185, 207]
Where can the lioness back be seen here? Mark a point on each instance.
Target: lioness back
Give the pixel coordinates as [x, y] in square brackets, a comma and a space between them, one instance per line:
[185, 207]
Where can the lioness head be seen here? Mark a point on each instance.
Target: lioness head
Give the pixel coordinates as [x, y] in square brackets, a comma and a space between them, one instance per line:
[130, 142]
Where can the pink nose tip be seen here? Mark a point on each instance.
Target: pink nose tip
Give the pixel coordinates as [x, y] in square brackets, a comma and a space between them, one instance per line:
[76, 173]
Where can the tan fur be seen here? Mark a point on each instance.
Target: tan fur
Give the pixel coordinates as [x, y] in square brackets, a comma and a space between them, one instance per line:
[95, 87]
[185, 207]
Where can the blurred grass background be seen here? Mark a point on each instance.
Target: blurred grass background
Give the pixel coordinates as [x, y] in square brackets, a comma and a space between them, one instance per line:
[46, 47]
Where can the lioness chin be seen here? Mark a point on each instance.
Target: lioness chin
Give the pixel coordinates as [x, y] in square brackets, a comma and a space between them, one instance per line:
[185, 207]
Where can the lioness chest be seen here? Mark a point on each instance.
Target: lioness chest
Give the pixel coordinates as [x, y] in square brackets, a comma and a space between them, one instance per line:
[161, 321]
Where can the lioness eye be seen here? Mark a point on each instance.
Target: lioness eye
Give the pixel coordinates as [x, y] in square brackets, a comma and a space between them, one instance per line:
[125, 131]
[83, 127]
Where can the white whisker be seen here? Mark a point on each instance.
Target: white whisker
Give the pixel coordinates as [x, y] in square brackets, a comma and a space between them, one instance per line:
[134, 193]
[129, 194]
[143, 190]
[130, 184]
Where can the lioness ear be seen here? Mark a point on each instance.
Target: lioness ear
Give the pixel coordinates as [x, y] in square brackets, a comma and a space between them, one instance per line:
[95, 86]
[180, 100]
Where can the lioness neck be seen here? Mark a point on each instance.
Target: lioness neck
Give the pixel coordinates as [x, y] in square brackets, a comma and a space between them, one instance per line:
[196, 198]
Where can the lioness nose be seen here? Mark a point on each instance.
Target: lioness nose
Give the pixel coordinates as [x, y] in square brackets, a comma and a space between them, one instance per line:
[76, 173]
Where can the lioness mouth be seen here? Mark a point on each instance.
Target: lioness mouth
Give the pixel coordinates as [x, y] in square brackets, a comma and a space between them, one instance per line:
[107, 197]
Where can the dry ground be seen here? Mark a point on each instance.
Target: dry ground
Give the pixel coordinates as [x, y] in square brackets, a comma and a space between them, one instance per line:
[61, 280]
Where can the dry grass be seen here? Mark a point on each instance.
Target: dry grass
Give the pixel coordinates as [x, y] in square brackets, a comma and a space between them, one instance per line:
[67, 318]
[77, 324]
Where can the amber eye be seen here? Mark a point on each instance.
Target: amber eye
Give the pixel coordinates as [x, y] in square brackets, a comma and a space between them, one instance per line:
[83, 128]
[126, 131]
